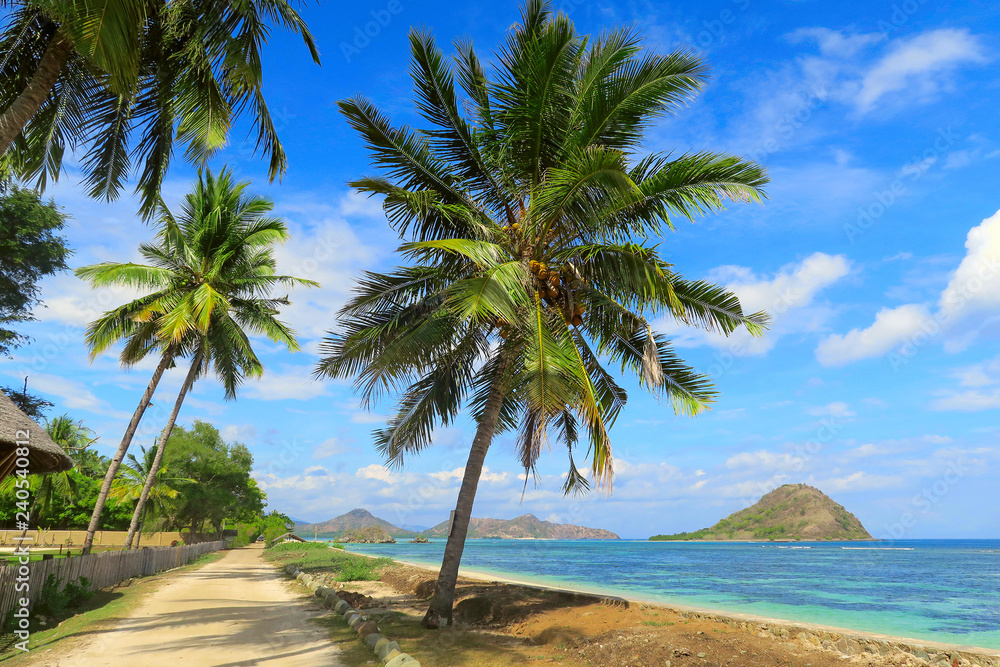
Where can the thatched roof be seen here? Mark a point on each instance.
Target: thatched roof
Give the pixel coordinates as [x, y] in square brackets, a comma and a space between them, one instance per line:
[44, 455]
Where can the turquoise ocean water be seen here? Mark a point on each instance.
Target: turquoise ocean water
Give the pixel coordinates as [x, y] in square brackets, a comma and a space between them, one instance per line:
[939, 590]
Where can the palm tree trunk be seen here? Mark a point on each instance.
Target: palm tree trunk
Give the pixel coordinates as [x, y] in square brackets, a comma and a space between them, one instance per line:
[160, 449]
[16, 116]
[109, 477]
[439, 613]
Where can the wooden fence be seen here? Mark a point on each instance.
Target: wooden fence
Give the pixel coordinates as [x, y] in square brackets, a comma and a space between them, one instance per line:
[102, 569]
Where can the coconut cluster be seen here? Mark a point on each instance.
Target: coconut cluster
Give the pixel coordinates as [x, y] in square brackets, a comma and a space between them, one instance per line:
[557, 286]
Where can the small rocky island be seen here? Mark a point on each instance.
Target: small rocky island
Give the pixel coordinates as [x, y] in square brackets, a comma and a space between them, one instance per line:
[367, 535]
[790, 512]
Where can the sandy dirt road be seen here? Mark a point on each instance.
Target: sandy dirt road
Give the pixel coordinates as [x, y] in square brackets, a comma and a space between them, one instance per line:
[235, 611]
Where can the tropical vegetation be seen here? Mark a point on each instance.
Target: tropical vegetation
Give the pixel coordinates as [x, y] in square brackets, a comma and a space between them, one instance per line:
[30, 249]
[203, 487]
[530, 214]
[269, 526]
[130, 486]
[215, 487]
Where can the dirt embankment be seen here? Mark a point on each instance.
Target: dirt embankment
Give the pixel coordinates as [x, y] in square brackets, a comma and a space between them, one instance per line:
[507, 624]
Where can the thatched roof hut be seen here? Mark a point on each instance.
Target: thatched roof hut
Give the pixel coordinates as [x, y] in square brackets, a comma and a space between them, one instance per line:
[44, 455]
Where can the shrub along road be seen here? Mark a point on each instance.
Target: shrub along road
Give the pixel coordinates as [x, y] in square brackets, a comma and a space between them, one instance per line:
[235, 611]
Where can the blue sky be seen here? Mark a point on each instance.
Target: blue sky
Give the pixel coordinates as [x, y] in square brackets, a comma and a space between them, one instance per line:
[877, 253]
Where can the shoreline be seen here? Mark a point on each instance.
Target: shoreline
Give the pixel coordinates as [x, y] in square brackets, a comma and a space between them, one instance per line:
[846, 641]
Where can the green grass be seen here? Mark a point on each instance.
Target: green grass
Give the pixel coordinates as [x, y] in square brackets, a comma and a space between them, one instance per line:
[32, 557]
[318, 558]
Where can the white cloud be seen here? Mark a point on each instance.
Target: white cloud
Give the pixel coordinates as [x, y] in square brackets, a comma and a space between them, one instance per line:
[968, 401]
[458, 473]
[74, 395]
[75, 304]
[786, 297]
[971, 298]
[975, 285]
[892, 326]
[324, 247]
[290, 382]
[919, 65]
[979, 377]
[858, 481]
[376, 471]
[362, 417]
[835, 409]
[860, 71]
[958, 159]
[245, 433]
[763, 460]
[836, 42]
[864, 451]
[331, 447]
[357, 203]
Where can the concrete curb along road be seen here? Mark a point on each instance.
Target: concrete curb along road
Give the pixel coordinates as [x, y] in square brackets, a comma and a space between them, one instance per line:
[387, 651]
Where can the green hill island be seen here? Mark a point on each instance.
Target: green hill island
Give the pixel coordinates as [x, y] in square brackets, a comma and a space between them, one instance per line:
[789, 513]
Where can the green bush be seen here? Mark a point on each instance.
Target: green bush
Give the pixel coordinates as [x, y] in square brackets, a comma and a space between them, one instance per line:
[319, 558]
[78, 592]
[56, 599]
[365, 570]
[53, 599]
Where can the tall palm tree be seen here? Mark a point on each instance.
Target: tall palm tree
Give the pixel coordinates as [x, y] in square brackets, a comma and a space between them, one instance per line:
[94, 74]
[74, 438]
[209, 277]
[528, 214]
[131, 484]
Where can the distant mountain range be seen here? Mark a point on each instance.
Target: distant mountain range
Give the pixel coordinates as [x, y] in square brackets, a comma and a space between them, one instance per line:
[527, 526]
[790, 512]
[353, 520]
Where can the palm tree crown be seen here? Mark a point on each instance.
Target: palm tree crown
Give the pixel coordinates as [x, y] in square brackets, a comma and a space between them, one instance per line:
[128, 487]
[209, 282]
[125, 79]
[528, 226]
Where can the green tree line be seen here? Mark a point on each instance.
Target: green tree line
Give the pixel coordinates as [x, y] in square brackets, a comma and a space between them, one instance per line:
[203, 486]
